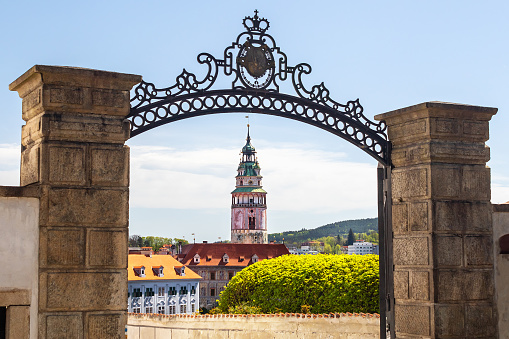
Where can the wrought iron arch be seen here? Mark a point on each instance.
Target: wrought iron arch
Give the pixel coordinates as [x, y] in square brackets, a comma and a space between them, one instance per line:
[257, 66]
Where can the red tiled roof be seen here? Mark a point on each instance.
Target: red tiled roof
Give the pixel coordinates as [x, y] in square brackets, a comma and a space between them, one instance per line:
[236, 252]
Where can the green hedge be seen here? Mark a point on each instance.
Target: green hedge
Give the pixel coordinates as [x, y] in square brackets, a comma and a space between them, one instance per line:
[310, 283]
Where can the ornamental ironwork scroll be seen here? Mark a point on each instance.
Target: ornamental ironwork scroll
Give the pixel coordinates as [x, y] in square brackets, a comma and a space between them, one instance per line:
[257, 66]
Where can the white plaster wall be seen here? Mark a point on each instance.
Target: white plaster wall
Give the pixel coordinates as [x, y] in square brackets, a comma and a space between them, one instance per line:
[167, 299]
[19, 249]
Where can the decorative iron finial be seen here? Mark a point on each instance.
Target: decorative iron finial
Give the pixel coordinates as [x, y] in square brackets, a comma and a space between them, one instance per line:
[256, 23]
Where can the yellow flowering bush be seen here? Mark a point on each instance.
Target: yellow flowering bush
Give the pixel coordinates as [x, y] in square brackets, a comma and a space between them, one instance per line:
[320, 283]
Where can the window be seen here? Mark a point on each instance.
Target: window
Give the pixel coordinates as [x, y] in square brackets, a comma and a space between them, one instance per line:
[230, 275]
[136, 292]
[183, 290]
[160, 292]
[212, 292]
[192, 308]
[212, 275]
[226, 258]
[172, 309]
[196, 259]
[149, 292]
[149, 309]
[139, 271]
[137, 309]
[503, 242]
[160, 309]
[183, 308]
[172, 290]
[193, 290]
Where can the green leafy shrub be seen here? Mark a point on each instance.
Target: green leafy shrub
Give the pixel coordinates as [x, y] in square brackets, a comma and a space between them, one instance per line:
[317, 283]
[244, 308]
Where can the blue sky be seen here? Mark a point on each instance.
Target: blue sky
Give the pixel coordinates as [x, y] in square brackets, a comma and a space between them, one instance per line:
[388, 54]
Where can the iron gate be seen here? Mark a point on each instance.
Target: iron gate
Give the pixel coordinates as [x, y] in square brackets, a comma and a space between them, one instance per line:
[257, 67]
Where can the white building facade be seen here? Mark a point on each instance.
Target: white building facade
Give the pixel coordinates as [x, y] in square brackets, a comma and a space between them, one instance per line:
[362, 247]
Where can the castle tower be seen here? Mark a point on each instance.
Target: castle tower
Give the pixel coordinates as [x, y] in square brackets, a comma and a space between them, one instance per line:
[249, 215]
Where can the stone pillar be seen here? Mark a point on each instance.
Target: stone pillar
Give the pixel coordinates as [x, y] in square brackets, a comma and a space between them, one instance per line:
[441, 215]
[73, 149]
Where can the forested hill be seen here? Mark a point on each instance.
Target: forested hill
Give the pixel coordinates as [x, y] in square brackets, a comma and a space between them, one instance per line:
[333, 230]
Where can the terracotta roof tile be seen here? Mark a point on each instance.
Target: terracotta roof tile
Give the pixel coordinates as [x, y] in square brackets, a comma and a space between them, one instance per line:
[244, 253]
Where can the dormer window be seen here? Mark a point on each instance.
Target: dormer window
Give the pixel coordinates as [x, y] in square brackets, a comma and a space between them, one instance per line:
[226, 258]
[196, 258]
[158, 270]
[241, 258]
[254, 258]
[139, 271]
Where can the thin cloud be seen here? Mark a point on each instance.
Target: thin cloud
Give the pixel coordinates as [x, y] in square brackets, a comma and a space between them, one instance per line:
[296, 179]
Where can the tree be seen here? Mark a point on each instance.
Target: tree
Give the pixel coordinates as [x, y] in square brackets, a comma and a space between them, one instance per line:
[337, 249]
[321, 283]
[135, 241]
[351, 238]
[327, 249]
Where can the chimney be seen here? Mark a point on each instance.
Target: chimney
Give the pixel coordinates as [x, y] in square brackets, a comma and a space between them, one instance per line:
[204, 241]
[180, 247]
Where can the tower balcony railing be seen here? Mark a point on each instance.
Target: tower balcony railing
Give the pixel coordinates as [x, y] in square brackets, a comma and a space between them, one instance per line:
[249, 205]
[249, 231]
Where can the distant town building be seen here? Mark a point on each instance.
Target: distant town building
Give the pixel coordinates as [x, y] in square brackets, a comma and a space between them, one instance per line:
[361, 247]
[302, 250]
[249, 204]
[218, 263]
[161, 284]
[313, 245]
[141, 250]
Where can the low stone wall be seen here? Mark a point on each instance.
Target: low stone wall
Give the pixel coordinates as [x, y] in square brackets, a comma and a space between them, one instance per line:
[284, 325]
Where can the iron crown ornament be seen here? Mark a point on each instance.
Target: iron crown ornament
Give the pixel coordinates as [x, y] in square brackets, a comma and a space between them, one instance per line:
[257, 67]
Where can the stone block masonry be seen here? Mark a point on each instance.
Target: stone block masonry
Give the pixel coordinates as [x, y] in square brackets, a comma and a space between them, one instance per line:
[442, 229]
[238, 326]
[73, 151]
